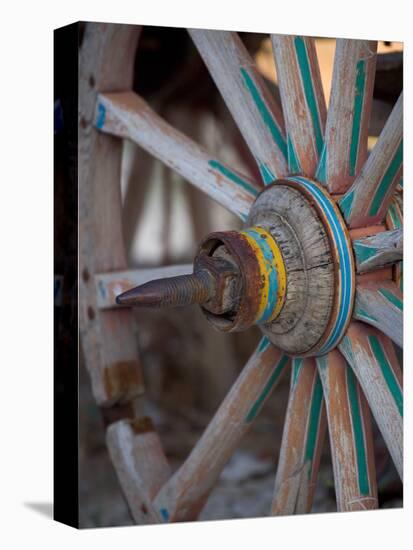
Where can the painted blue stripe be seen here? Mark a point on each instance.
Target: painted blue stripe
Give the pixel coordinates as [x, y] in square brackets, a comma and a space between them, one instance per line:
[101, 116]
[164, 513]
[272, 275]
[345, 271]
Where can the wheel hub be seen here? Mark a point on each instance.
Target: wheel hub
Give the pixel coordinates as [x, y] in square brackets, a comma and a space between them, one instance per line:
[290, 271]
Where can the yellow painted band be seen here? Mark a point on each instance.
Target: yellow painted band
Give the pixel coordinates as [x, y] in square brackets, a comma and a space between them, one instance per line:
[266, 267]
[263, 272]
[281, 274]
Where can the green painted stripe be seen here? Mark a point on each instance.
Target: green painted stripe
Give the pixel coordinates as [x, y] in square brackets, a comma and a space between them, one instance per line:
[321, 173]
[273, 379]
[266, 116]
[361, 314]
[233, 176]
[387, 371]
[357, 115]
[309, 92]
[364, 252]
[293, 162]
[346, 204]
[358, 431]
[314, 419]
[295, 371]
[266, 174]
[394, 216]
[391, 298]
[386, 181]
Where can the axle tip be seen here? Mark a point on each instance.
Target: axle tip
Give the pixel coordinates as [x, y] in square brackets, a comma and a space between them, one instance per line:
[142, 296]
[170, 292]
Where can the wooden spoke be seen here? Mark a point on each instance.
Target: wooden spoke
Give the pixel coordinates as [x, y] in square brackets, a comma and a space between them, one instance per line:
[394, 220]
[127, 115]
[302, 440]
[302, 101]
[367, 200]
[140, 463]
[252, 107]
[183, 496]
[373, 359]
[345, 145]
[351, 438]
[109, 285]
[380, 304]
[378, 251]
[108, 337]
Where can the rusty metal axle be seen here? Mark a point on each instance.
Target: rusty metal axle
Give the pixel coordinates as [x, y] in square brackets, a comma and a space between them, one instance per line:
[235, 281]
[183, 290]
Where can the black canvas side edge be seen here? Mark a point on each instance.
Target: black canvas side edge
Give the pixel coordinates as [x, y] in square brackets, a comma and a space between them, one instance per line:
[66, 329]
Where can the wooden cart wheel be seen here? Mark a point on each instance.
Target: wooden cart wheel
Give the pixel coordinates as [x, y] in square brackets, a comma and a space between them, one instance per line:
[317, 267]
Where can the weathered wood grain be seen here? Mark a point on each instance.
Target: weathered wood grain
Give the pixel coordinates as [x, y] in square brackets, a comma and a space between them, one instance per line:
[369, 231]
[378, 251]
[345, 144]
[368, 199]
[302, 440]
[380, 304]
[129, 116]
[302, 100]
[383, 274]
[107, 337]
[350, 431]
[184, 495]
[140, 464]
[341, 257]
[304, 242]
[254, 110]
[111, 284]
[394, 220]
[372, 357]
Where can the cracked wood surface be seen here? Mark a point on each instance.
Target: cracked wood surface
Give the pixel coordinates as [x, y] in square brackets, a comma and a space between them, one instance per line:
[372, 357]
[302, 440]
[348, 117]
[368, 199]
[351, 438]
[107, 337]
[141, 465]
[254, 110]
[302, 99]
[380, 304]
[378, 251]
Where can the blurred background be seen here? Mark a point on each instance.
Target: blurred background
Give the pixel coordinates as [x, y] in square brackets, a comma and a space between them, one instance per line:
[188, 366]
